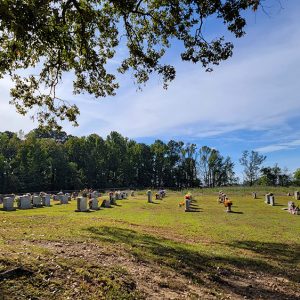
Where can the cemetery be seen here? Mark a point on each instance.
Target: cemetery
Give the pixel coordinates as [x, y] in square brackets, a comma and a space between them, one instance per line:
[139, 160]
[197, 247]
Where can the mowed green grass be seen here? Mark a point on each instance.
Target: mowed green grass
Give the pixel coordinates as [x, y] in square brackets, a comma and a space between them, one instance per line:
[256, 237]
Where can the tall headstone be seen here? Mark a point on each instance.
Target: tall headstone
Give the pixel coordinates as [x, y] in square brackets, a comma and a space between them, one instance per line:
[82, 204]
[254, 196]
[149, 194]
[267, 198]
[25, 202]
[297, 195]
[187, 204]
[272, 200]
[8, 204]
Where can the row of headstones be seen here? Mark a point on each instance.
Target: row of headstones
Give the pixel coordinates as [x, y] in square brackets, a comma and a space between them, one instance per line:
[26, 201]
[158, 196]
[296, 195]
[83, 205]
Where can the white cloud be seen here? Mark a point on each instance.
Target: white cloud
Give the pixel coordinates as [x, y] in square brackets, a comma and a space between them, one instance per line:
[278, 147]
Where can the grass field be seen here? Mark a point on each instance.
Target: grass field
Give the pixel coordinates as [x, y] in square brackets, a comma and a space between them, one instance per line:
[137, 250]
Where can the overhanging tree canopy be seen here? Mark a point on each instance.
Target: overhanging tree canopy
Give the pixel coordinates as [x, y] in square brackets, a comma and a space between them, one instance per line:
[82, 36]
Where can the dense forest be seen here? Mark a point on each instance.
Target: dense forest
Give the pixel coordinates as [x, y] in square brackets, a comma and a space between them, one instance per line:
[52, 161]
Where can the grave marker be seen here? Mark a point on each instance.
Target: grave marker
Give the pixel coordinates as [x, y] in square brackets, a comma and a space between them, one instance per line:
[149, 194]
[272, 200]
[63, 199]
[46, 200]
[297, 195]
[82, 204]
[8, 204]
[36, 201]
[25, 202]
[94, 204]
[267, 198]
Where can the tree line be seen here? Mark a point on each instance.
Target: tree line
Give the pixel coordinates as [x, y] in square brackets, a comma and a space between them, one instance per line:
[52, 161]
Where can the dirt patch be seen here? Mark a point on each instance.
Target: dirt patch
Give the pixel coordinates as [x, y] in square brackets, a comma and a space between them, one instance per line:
[157, 281]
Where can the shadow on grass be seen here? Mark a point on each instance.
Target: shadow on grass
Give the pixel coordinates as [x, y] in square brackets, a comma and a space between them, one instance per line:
[288, 253]
[197, 266]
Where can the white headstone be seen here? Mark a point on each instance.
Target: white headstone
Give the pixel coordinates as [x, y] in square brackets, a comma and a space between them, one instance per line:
[297, 195]
[8, 203]
[267, 199]
[272, 200]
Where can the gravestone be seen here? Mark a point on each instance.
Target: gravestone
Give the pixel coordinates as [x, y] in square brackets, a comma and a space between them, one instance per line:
[112, 199]
[254, 196]
[290, 205]
[94, 204]
[36, 201]
[267, 198]
[63, 199]
[149, 194]
[82, 204]
[25, 202]
[95, 194]
[8, 204]
[132, 193]
[297, 195]
[187, 204]
[108, 202]
[68, 196]
[272, 200]
[46, 200]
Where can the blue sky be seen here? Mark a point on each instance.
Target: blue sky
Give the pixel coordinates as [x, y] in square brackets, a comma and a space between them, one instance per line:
[249, 102]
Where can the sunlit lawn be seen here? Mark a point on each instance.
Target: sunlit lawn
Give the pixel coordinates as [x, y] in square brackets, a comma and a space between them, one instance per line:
[255, 236]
